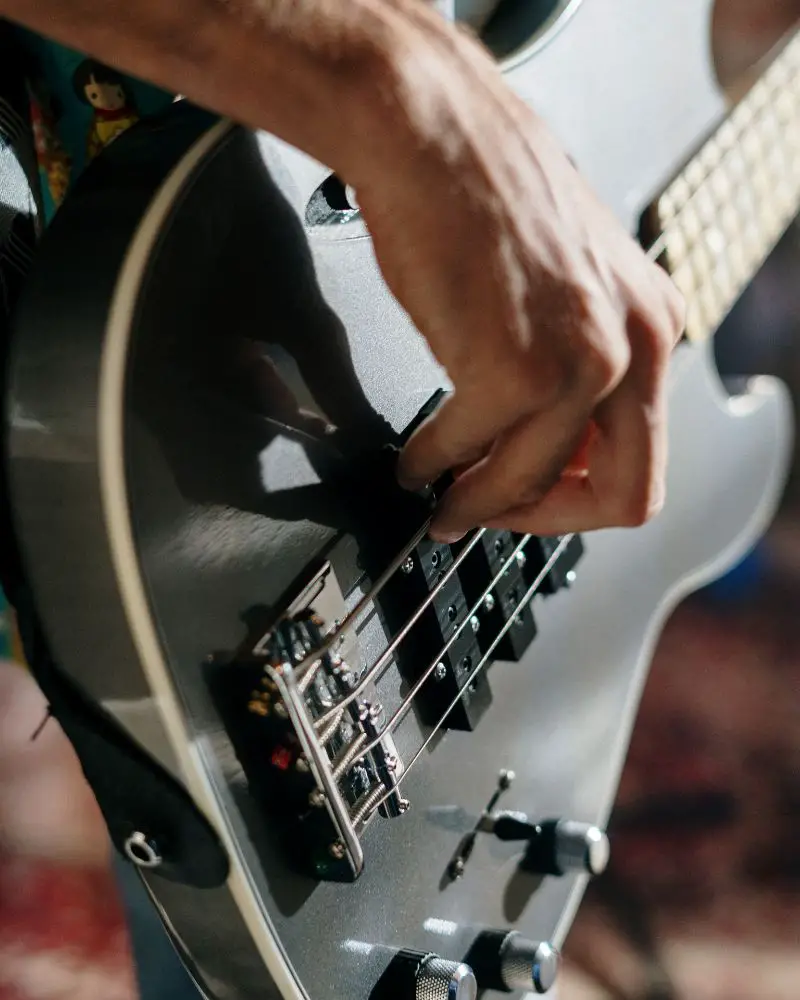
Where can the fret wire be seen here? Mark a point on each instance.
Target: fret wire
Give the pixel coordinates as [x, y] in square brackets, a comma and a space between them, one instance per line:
[757, 128]
[712, 285]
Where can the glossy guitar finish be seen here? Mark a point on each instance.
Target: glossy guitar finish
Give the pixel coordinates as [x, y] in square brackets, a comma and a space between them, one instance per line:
[138, 464]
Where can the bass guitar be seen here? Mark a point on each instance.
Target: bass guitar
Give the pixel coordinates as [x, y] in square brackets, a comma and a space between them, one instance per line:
[347, 761]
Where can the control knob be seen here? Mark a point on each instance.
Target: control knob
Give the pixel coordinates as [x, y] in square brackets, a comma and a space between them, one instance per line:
[555, 846]
[507, 962]
[527, 965]
[429, 977]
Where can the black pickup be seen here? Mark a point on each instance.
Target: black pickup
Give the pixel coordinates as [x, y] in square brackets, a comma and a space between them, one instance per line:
[540, 549]
[423, 572]
[502, 602]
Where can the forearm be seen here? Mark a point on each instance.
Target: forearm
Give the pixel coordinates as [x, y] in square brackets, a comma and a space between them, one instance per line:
[321, 74]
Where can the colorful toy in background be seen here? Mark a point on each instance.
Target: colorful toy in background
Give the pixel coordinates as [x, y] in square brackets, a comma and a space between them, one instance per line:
[78, 107]
[108, 95]
[53, 160]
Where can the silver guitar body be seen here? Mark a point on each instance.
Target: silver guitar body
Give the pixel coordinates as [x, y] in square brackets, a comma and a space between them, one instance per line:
[136, 584]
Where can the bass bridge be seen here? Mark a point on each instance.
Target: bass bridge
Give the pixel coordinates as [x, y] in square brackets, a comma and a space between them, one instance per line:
[303, 710]
[314, 741]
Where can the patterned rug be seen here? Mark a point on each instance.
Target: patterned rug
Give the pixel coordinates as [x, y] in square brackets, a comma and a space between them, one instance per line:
[62, 933]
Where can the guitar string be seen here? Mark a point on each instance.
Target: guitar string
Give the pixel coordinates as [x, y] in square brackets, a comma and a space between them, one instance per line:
[374, 671]
[402, 709]
[530, 593]
[655, 250]
[313, 659]
[397, 717]
[312, 662]
[375, 674]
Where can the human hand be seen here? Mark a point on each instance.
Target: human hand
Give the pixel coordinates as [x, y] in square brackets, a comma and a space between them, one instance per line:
[552, 324]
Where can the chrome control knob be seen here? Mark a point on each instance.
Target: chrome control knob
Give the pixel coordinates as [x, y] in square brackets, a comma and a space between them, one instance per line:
[555, 846]
[527, 965]
[420, 976]
[438, 979]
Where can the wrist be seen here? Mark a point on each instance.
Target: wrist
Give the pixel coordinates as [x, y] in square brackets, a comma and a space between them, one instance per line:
[364, 83]
[337, 81]
[402, 109]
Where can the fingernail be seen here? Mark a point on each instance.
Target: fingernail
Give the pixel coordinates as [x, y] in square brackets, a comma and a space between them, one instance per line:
[447, 537]
[410, 483]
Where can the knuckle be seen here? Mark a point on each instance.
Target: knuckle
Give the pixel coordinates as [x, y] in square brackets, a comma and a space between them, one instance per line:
[676, 305]
[657, 334]
[541, 381]
[605, 362]
[674, 309]
[659, 317]
[658, 346]
[582, 348]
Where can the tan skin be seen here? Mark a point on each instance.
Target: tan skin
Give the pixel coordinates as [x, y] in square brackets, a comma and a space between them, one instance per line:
[557, 318]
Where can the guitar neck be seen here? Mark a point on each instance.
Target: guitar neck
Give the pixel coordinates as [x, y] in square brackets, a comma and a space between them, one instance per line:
[726, 210]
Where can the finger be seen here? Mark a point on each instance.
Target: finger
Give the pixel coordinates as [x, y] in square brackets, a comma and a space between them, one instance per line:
[626, 469]
[578, 465]
[522, 466]
[459, 433]
[571, 502]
